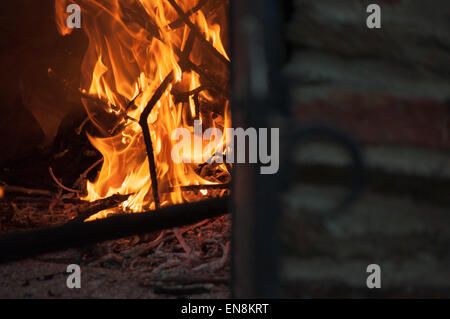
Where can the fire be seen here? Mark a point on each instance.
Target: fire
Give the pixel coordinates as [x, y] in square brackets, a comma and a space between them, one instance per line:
[135, 47]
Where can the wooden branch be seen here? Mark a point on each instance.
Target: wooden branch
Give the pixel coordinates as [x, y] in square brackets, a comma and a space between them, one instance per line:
[178, 23]
[5, 189]
[79, 129]
[99, 205]
[200, 187]
[143, 122]
[189, 45]
[184, 96]
[186, 65]
[197, 106]
[19, 245]
[58, 182]
[84, 175]
[198, 33]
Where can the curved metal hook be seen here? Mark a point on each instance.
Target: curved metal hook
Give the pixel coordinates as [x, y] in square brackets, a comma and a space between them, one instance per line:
[311, 133]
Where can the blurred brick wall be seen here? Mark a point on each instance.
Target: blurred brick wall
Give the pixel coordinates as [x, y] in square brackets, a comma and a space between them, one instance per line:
[390, 89]
[388, 85]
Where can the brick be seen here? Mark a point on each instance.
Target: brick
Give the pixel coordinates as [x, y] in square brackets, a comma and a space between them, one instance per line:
[382, 119]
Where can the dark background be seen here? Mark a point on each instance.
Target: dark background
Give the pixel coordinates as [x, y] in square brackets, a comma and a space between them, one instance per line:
[38, 111]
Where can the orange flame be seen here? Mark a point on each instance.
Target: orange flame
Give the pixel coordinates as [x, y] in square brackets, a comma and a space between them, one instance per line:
[133, 46]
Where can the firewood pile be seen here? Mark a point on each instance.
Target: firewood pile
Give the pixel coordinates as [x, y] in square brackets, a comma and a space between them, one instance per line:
[45, 187]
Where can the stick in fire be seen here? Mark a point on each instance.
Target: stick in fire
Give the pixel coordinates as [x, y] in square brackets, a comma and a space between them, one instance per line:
[111, 78]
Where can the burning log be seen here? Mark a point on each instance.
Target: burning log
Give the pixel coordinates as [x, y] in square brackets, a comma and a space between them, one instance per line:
[203, 187]
[99, 205]
[19, 245]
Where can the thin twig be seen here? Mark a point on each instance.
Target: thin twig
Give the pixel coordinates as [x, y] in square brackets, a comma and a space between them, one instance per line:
[184, 96]
[80, 128]
[86, 172]
[181, 240]
[217, 264]
[99, 205]
[145, 248]
[189, 228]
[83, 176]
[131, 103]
[29, 191]
[186, 65]
[60, 184]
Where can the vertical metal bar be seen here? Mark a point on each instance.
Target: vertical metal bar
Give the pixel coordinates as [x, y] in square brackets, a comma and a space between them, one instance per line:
[258, 96]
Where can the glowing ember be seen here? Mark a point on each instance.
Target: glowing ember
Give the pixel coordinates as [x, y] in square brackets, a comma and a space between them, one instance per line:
[134, 46]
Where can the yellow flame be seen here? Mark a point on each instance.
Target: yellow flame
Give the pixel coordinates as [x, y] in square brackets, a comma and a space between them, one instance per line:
[131, 51]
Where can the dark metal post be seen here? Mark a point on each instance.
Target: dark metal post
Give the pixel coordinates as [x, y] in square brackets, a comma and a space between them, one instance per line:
[258, 99]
